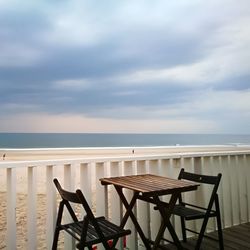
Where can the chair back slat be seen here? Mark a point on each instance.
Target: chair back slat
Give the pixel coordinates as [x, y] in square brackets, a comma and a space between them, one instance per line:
[206, 179]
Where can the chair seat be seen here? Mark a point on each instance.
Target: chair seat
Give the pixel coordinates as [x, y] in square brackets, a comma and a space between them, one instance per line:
[188, 213]
[109, 230]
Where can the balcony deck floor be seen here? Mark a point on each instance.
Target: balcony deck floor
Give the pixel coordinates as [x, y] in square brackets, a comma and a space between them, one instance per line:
[235, 238]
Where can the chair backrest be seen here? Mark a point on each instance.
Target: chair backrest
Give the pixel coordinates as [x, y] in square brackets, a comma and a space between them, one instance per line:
[73, 197]
[66, 195]
[204, 179]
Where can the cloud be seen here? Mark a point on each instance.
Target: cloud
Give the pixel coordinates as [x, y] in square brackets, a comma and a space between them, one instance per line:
[174, 63]
[79, 124]
[225, 56]
[71, 84]
[17, 55]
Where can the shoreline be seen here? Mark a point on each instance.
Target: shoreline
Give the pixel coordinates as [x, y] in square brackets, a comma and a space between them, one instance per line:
[27, 154]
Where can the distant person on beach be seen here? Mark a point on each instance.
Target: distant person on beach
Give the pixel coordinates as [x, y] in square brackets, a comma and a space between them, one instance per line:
[133, 151]
[4, 156]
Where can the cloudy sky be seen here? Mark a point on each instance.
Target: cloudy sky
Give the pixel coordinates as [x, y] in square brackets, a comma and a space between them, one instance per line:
[125, 66]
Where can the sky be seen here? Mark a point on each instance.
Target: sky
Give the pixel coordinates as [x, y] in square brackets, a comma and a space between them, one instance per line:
[121, 66]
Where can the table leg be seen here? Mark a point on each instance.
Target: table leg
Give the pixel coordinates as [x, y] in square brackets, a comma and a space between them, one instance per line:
[166, 213]
[129, 213]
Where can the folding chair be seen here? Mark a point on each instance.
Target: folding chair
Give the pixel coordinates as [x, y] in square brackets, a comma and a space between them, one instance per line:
[89, 231]
[189, 211]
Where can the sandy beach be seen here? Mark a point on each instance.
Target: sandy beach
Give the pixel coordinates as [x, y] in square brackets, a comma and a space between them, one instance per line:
[15, 155]
[64, 153]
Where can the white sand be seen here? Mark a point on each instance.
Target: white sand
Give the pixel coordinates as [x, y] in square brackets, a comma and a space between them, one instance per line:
[41, 154]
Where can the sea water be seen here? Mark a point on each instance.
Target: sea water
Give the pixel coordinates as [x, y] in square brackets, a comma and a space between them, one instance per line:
[62, 140]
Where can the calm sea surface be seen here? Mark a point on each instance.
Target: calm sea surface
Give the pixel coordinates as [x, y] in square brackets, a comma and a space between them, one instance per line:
[50, 140]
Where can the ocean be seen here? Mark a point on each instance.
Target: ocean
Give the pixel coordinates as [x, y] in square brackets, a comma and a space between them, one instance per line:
[64, 140]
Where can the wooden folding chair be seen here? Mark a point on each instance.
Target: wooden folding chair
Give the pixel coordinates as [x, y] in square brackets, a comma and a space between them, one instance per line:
[89, 231]
[189, 211]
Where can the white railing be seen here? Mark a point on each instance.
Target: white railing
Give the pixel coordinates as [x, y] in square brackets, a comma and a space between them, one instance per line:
[234, 192]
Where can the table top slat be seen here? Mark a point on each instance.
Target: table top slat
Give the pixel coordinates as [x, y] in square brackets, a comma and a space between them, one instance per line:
[149, 183]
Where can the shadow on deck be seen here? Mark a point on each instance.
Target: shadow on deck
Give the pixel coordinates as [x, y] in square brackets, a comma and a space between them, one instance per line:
[235, 238]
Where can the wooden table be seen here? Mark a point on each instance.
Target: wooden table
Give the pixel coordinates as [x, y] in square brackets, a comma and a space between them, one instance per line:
[148, 188]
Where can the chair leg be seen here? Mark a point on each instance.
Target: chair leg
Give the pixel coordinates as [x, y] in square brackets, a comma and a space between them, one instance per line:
[58, 223]
[201, 234]
[55, 240]
[220, 234]
[183, 229]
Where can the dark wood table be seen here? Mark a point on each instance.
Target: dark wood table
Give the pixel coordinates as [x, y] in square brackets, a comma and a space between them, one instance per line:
[149, 188]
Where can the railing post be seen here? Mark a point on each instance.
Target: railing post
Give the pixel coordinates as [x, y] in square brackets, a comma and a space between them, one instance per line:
[115, 170]
[143, 207]
[129, 168]
[165, 170]
[155, 217]
[247, 164]
[234, 190]
[197, 165]
[189, 197]
[50, 206]
[227, 220]
[69, 184]
[100, 195]
[242, 188]
[32, 211]
[199, 195]
[212, 168]
[115, 202]
[100, 191]
[11, 208]
[86, 181]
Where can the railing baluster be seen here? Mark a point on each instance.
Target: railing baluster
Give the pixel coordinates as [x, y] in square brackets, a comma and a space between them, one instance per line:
[153, 168]
[86, 182]
[247, 164]
[164, 171]
[230, 189]
[242, 188]
[50, 206]
[11, 208]
[100, 173]
[69, 242]
[115, 203]
[144, 208]
[200, 194]
[129, 168]
[115, 214]
[238, 184]
[234, 190]
[32, 211]
[226, 196]
[213, 169]
[188, 164]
